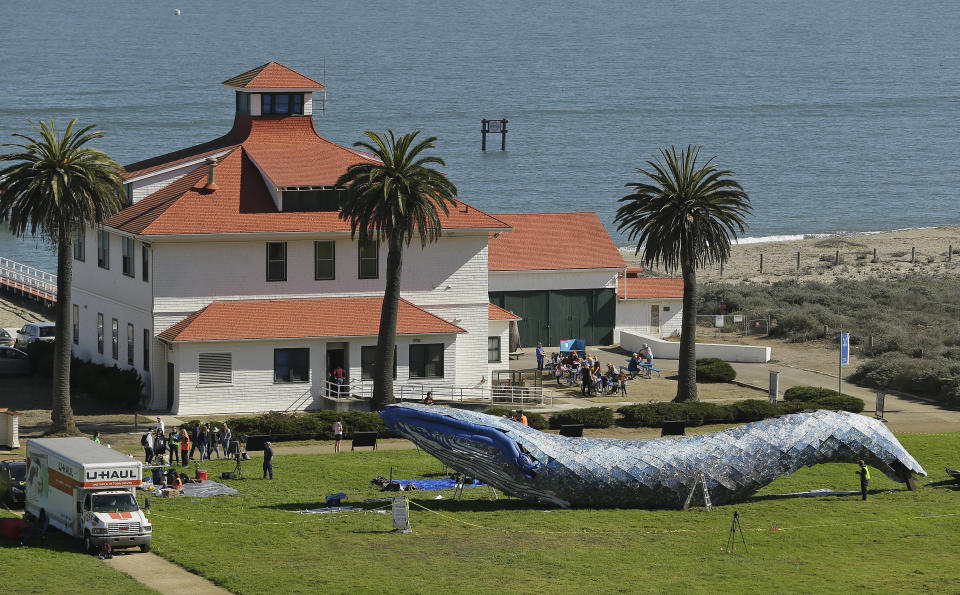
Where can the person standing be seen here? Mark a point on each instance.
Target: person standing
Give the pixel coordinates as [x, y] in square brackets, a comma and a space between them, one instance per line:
[523, 418]
[160, 428]
[864, 474]
[225, 437]
[540, 357]
[267, 460]
[184, 446]
[339, 377]
[174, 443]
[214, 446]
[96, 437]
[195, 436]
[338, 433]
[205, 442]
[147, 442]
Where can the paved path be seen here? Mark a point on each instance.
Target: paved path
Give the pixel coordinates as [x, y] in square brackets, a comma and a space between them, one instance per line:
[156, 573]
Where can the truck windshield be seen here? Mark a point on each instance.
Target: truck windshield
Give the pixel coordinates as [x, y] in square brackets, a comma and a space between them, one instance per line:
[114, 503]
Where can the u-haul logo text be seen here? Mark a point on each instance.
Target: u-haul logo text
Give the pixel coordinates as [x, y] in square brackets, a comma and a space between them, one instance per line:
[112, 474]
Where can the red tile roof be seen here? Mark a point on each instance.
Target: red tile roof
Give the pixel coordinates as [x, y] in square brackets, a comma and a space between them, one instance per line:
[651, 287]
[553, 241]
[498, 313]
[301, 319]
[291, 153]
[273, 75]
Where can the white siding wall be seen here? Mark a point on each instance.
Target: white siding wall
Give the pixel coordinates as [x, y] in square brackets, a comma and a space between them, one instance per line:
[253, 388]
[499, 328]
[148, 184]
[634, 316]
[540, 280]
[308, 104]
[255, 105]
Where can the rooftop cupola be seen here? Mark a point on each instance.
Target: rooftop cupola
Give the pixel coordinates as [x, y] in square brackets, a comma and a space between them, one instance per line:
[274, 90]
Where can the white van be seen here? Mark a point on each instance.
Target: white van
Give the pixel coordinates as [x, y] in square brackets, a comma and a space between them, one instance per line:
[86, 490]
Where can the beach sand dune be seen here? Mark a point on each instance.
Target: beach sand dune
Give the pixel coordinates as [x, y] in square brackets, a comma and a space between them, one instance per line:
[901, 253]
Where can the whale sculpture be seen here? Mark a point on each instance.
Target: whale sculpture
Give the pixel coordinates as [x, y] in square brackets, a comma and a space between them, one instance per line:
[658, 473]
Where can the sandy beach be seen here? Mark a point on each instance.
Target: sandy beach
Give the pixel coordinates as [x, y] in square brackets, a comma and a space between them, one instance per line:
[928, 248]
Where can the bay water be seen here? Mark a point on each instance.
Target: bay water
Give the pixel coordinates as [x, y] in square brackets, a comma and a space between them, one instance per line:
[834, 115]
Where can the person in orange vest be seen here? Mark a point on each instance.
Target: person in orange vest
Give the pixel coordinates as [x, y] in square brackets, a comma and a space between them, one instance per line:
[523, 418]
[178, 483]
[184, 447]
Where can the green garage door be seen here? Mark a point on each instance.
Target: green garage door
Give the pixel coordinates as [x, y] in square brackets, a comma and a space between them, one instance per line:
[550, 316]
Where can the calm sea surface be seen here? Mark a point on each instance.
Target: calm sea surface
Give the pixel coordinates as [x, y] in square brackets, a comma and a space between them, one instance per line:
[834, 115]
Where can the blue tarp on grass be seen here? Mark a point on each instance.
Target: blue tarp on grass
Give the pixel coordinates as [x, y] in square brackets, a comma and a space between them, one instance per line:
[444, 483]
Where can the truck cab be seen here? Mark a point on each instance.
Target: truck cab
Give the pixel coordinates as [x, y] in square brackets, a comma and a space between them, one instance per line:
[112, 517]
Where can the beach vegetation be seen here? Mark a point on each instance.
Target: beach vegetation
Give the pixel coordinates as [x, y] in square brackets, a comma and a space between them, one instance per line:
[55, 185]
[393, 200]
[683, 216]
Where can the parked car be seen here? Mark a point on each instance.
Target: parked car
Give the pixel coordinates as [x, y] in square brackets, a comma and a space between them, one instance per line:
[13, 475]
[6, 338]
[13, 361]
[36, 331]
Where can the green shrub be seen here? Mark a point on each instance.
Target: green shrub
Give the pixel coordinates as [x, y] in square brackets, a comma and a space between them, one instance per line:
[110, 385]
[807, 393]
[712, 369]
[534, 420]
[590, 417]
[838, 403]
[694, 414]
[754, 410]
[317, 425]
[41, 357]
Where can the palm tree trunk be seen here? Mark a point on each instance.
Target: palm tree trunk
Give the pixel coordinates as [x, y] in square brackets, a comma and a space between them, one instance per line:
[687, 375]
[62, 413]
[387, 338]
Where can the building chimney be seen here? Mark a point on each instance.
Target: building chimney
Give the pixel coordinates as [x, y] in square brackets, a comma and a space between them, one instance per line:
[211, 169]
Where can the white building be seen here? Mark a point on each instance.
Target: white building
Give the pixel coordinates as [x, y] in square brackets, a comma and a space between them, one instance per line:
[650, 306]
[232, 285]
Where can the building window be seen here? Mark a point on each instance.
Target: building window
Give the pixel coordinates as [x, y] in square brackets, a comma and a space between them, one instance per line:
[323, 261]
[100, 333]
[426, 361]
[130, 344]
[115, 328]
[243, 103]
[79, 245]
[368, 356]
[276, 261]
[493, 349]
[145, 264]
[129, 190]
[76, 324]
[103, 249]
[146, 349]
[369, 256]
[291, 365]
[281, 104]
[215, 368]
[128, 248]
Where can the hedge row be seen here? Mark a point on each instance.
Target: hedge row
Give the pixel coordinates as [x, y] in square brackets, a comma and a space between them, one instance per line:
[109, 385]
[316, 425]
[590, 417]
[695, 414]
[534, 420]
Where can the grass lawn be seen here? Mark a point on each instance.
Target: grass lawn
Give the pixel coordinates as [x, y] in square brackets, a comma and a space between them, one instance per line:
[255, 543]
[58, 567]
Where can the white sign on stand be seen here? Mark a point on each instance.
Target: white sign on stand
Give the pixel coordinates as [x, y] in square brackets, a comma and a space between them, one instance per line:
[401, 515]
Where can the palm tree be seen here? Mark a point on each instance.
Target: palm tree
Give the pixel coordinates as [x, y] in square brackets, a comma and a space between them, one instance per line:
[56, 185]
[684, 217]
[392, 200]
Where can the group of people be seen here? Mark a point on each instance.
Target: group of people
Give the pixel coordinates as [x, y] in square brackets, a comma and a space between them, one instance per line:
[589, 373]
[181, 444]
[641, 362]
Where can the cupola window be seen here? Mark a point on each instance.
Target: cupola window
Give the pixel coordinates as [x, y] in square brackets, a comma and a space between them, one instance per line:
[281, 104]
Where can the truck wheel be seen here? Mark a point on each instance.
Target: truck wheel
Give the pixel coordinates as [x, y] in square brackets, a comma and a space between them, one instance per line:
[144, 547]
[87, 543]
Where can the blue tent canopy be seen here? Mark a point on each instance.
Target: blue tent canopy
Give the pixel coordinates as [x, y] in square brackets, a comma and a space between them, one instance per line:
[577, 345]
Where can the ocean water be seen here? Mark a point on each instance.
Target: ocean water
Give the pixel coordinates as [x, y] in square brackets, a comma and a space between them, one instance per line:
[834, 115]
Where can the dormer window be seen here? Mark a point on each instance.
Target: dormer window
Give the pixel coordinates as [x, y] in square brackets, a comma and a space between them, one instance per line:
[281, 104]
[311, 199]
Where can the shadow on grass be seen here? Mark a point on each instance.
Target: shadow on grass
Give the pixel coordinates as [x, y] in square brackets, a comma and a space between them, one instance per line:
[448, 504]
[828, 497]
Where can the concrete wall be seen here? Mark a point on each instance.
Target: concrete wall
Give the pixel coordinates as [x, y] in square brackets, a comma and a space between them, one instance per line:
[671, 349]
[634, 316]
[562, 279]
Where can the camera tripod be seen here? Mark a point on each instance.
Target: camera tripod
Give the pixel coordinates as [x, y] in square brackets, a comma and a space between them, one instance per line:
[238, 469]
[732, 539]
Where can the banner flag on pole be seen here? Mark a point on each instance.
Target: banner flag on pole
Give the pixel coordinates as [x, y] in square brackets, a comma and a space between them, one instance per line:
[844, 349]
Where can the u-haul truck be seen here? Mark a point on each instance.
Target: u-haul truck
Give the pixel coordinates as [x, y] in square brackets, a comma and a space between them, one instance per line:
[86, 490]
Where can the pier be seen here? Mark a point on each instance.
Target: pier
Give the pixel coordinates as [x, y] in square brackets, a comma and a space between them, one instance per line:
[27, 282]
